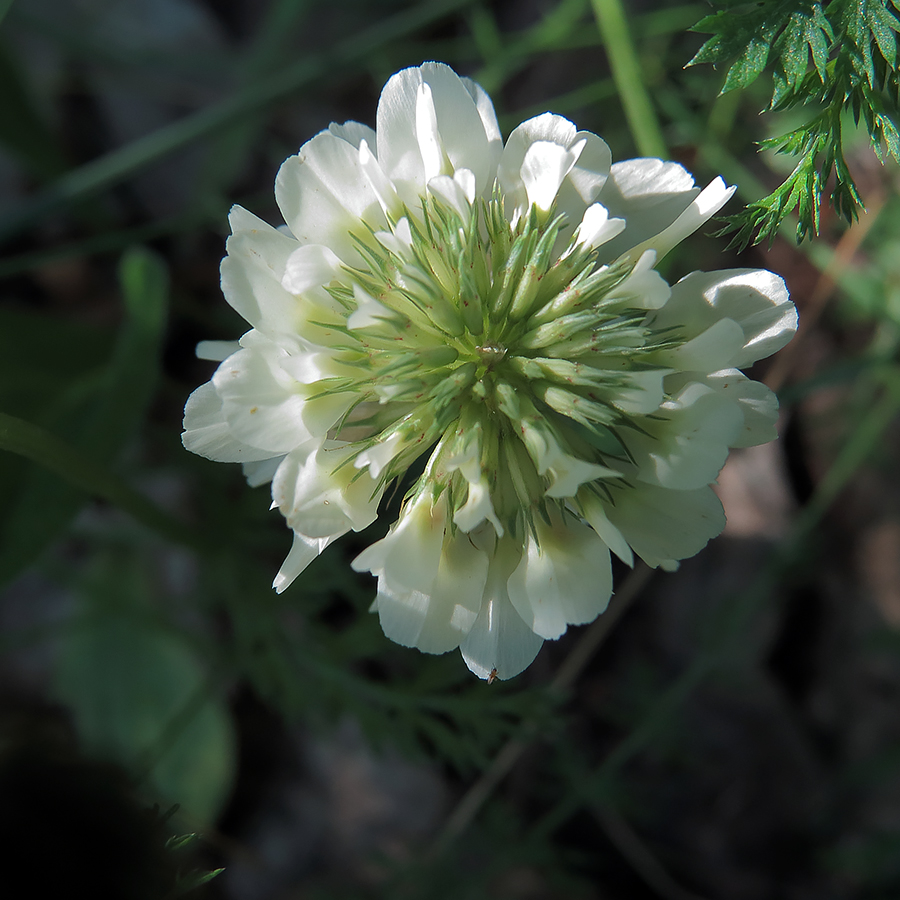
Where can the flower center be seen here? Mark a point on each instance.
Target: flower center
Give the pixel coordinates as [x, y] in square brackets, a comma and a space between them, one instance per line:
[499, 341]
[490, 354]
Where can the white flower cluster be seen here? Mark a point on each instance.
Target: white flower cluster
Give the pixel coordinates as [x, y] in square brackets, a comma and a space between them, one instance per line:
[493, 309]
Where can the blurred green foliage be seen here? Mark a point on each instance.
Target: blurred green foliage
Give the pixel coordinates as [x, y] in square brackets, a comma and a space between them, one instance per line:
[830, 59]
[168, 559]
[139, 696]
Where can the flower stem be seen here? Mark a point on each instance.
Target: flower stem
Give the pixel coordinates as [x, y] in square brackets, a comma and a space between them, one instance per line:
[504, 762]
[48, 450]
[122, 163]
[626, 72]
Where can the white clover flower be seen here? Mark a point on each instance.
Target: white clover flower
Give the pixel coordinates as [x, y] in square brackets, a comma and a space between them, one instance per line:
[494, 311]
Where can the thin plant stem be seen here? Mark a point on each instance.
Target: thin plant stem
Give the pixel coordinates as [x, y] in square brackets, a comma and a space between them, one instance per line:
[626, 71]
[638, 855]
[865, 437]
[116, 166]
[107, 242]
[504, 762]
[46, 449]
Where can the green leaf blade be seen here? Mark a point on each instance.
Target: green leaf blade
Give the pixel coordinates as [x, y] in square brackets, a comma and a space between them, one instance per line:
[97, 424]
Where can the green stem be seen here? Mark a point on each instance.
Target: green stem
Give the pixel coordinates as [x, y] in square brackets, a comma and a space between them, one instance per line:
[46, 449]
[626, 71]
[864, 438]
[107, 242]
[118, 165]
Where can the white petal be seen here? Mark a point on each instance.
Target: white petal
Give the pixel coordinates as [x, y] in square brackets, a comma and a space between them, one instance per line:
[542, 444]
[499, 642]
[216, 351]
[252, 273]
[757, 403]
[303, 551]
[320, 413]
[687, 441]
[319, 496]
[564, 577]
[597, 227]
[379, 455]
[754, 298]
[568, 473]
[266, 407]
[206, 432]
[399, 241]
[261, 472]
[461, 123]
[323, 192]
[644, 288]
[546, 128]
[368, 310]
[642, 392]
[478, 508]
[665, 525]
[353, 133]
[702, 208]
[409, 555]
[543, 170]
[430, 145]
[307, 269]
[587, 177]
[593, 509]
[709, 351]
[306, 362]
[381, 184]
[581, 184]
[465, 178]
[488, 117]
[458, 191]
[438, 620]
[649, 195]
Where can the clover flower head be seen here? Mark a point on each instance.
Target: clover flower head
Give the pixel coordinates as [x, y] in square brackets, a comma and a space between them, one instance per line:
[484, 324]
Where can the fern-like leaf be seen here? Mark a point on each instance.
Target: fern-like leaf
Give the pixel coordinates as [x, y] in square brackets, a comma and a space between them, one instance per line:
[832, 58]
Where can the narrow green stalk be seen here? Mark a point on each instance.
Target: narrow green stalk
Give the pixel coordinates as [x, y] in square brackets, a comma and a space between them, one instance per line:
[626, 71]
[118, 165]
[107, 242]
[863, 439]
[48, 450]
[596, 789]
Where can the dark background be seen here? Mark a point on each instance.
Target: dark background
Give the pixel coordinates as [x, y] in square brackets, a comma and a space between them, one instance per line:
[735, 736]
